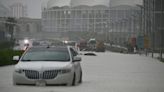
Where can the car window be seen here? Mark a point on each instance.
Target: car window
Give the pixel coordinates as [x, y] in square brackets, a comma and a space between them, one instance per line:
[73, 52]
[46, 55]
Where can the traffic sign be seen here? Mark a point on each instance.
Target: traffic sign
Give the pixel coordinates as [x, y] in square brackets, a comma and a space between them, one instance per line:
[140, 42]
[146, 42]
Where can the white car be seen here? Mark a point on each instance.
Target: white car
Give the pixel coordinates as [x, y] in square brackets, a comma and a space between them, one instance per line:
[47, 66]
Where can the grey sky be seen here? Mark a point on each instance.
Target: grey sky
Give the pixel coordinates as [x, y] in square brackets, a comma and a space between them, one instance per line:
[34, 6]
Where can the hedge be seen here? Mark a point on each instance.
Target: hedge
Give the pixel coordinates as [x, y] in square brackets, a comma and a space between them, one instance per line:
[6, 44]
[6, 56]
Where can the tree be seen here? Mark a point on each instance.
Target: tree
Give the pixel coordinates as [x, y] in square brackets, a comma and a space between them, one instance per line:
[10, 23]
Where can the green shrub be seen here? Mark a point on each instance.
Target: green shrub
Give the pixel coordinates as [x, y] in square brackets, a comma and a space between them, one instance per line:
[6, 56]
[6, 44]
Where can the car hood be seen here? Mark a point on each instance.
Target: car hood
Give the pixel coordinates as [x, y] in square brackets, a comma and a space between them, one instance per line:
[42, 65]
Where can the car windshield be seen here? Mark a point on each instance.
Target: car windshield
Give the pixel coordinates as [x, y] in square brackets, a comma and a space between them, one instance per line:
[46, 55]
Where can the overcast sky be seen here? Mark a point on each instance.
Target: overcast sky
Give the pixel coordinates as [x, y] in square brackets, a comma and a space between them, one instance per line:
[34, 6]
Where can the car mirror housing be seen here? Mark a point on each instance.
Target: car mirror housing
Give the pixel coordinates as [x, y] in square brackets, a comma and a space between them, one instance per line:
[15, 58]
[76, 59]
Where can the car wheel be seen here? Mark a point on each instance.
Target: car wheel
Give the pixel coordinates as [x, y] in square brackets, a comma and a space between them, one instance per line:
[80, 80]
[74, 80]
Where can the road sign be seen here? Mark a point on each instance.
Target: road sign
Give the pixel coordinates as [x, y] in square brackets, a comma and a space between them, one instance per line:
[140, 42]
[146, 42]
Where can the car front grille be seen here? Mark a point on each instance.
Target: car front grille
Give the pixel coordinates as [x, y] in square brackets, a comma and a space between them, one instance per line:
[48, 74]
[31, 74]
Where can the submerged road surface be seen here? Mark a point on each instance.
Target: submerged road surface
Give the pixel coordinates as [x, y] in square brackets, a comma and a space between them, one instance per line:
[106, 72]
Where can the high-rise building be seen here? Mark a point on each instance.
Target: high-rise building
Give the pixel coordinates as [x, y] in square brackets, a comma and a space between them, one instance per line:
[62, 16]
[125, 21]
[114, 3]
[153, 22]
[75, 15]
[90, 16]
[18, 10]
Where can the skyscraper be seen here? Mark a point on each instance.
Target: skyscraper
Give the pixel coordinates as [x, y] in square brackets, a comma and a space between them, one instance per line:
[154, 24]
[18, 10]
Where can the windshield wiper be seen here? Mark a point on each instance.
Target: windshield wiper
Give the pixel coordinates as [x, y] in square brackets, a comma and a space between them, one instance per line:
[42, 60]
[54, 60]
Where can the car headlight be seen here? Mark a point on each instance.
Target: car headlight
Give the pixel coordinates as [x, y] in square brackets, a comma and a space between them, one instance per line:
[64, 71]
[19, 71]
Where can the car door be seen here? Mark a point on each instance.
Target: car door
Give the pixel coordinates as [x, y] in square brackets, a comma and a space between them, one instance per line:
[77, 65]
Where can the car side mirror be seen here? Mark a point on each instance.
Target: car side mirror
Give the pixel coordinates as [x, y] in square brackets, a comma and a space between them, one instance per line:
[76, 59]
[15, 58]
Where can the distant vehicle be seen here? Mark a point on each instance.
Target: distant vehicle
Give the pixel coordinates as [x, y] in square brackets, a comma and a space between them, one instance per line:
[73, 44]
[92, 44]
[23, 44]
[35, 43]
[100, 47]
[82, 45]
[69, 43]
[47, 66]
[57, 43]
